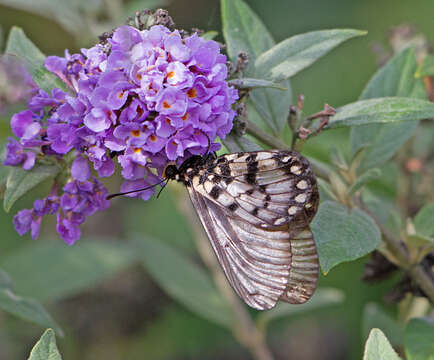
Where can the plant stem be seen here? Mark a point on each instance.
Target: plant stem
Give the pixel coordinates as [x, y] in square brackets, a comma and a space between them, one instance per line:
[243, 327]
[265, 137]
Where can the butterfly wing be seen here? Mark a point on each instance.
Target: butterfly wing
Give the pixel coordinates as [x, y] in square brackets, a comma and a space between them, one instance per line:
[250, 206]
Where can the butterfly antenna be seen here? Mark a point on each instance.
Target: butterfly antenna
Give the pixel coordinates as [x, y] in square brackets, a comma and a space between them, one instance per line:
[209, 141]
[111, 196]
[162, 188]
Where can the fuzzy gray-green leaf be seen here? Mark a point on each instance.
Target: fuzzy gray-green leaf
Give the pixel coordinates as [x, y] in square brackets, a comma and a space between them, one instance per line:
[25, 308]
[183, 280]
[250, 83]
[20, 45]
[378, 347]
[20, 181]
[382, 110]
[243, 30]
[343, 234]
[300, 51]
[235, 143]
[424, 220]
[419, 339]
[46, 348]
[381, 141]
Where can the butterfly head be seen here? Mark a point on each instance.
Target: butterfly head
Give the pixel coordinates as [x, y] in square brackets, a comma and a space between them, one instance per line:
[171, 171]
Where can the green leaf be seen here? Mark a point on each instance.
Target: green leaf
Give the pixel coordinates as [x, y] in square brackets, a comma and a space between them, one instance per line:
[375, 317]
[20, 45]
[46, 348]
[419, 339]
[243, 30]
[66, 13]
[235, 143]
[4, 170]
[382, 110]
[381, 141]
[24, 308]
[250, 83]
[426, 68]
[209, 35]
[52, 270]
[366, 177]
[343, 234]
[322, 297]
[300, 51]
[326, 190]
[424, 220]
[378, 347]
[5, 280]
[183, 280]
[273, 105]
[20, 181]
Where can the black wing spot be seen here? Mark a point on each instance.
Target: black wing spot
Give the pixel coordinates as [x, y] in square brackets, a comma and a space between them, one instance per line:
[228, 180]
[215, 192]
[252, 167]
[221, 160]
[225, 170]
[266, 204]
[250, 178]
[233, 206]
[250, 192]
[267, 197]
[251, 158]
[203, 178]
[216, 179]
[255, 211]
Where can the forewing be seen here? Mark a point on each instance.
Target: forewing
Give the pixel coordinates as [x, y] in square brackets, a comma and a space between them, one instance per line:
[264, 188]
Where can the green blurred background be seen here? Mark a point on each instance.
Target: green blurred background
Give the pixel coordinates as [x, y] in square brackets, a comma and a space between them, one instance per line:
[122, 313]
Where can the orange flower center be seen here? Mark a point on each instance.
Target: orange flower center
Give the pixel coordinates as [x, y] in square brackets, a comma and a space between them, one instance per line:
[192, 93]
[166, 105]
[185, 117]
[170, 74]
[135, 133]
[153, 138]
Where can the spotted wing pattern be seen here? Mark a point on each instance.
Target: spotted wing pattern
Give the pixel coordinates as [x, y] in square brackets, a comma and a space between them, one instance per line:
[256, 208]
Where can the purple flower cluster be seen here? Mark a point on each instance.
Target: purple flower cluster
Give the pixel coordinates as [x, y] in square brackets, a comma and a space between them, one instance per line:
[79, 199]
[154, 97]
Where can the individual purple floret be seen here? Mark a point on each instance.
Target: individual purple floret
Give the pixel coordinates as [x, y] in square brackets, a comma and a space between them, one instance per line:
[156, 96]
[17, 155]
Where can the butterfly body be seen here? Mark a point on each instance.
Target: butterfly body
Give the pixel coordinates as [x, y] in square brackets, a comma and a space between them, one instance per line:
[256, 208]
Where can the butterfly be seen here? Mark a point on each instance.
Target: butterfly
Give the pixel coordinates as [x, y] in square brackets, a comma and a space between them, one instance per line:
[256, 208]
